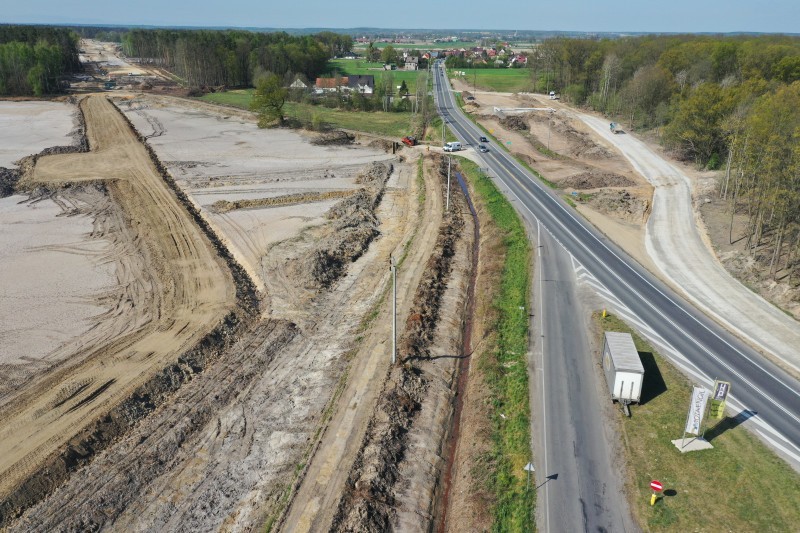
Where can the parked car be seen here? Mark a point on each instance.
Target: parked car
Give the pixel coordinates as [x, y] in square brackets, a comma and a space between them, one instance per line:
[483, 148]
[483, 139]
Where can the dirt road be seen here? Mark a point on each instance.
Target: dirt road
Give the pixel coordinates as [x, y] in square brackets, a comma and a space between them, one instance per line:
[184, 294]
[316, 502]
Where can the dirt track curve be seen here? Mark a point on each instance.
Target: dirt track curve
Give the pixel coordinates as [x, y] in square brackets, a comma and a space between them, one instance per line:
[186, 292]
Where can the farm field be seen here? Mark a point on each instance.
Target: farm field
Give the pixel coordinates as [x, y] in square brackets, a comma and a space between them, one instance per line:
[377, 122]
[504, 80]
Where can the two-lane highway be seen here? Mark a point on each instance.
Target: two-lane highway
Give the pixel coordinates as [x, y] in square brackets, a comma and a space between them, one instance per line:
[709, 350]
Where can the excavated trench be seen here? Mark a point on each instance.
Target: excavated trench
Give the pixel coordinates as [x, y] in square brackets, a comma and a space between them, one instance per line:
[463, 372]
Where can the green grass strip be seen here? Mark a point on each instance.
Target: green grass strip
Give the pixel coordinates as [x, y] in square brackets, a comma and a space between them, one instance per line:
[507, 371]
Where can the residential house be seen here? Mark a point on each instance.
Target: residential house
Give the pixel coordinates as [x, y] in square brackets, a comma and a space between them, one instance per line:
[361, 84]
[518, 59]
[327, 85]
[298, 84]
[412, 63]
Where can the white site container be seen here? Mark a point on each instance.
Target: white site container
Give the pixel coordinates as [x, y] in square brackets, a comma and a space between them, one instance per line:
[622, 367]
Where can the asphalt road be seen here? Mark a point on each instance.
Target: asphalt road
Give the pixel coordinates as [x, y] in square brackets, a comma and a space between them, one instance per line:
[698, 345]
[579, 487]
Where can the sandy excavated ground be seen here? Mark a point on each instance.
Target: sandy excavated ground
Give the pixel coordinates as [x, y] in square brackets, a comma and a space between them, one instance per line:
[583, 163]
[222, 451]
[318, 497]
[105, 56]
[57, 272]
[176, 306]
[677, 245]
[29, 127]
[216, 156]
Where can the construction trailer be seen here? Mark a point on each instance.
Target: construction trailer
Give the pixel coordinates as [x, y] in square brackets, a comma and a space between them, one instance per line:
[622, 367]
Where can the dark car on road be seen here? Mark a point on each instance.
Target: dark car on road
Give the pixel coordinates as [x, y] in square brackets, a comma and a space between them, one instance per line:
[483, 140]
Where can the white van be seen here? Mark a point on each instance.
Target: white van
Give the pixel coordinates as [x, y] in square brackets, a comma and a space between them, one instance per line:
[552, 95]
[452, 147]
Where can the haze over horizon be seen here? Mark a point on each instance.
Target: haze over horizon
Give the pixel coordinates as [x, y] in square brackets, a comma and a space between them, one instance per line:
[715, 16]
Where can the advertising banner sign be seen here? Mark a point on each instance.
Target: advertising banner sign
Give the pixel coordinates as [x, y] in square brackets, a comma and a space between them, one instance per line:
[696, 410]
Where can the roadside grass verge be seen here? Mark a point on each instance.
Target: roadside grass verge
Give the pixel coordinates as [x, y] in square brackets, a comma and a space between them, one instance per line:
[740, 485]
[375, 122]
[505, 366]
[502, 80]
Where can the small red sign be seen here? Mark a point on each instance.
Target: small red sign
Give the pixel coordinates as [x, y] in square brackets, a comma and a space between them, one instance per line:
[656, 486]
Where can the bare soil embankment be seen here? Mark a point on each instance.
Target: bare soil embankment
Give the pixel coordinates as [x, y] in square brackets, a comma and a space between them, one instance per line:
[227, 443]
[598, 180]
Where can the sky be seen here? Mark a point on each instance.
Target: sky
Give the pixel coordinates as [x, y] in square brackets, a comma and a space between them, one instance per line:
[718, 16]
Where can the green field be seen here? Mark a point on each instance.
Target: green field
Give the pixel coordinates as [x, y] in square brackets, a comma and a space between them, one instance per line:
[377, 122]
[504, 80]
[740, 485]
[361, 67]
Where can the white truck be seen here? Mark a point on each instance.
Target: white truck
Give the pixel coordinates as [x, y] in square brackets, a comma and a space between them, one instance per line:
[622, 367]
[454, 146]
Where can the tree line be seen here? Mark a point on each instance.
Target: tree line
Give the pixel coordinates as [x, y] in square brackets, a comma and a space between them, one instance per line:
[730, 103]
[232, 57]
[34, 58]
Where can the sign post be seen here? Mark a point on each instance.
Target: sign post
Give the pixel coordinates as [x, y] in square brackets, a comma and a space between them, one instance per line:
[657, 487]
[529, 468]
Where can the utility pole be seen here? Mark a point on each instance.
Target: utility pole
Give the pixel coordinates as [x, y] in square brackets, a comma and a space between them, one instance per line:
[394, 308]
[449, 161]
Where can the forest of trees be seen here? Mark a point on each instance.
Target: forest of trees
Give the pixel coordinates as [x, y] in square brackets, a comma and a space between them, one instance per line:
[34, 58]
[722, 102]
[232, 57]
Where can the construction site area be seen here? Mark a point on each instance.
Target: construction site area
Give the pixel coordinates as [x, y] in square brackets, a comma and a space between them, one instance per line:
[201, 317]
[208, 326]
[200, 321]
